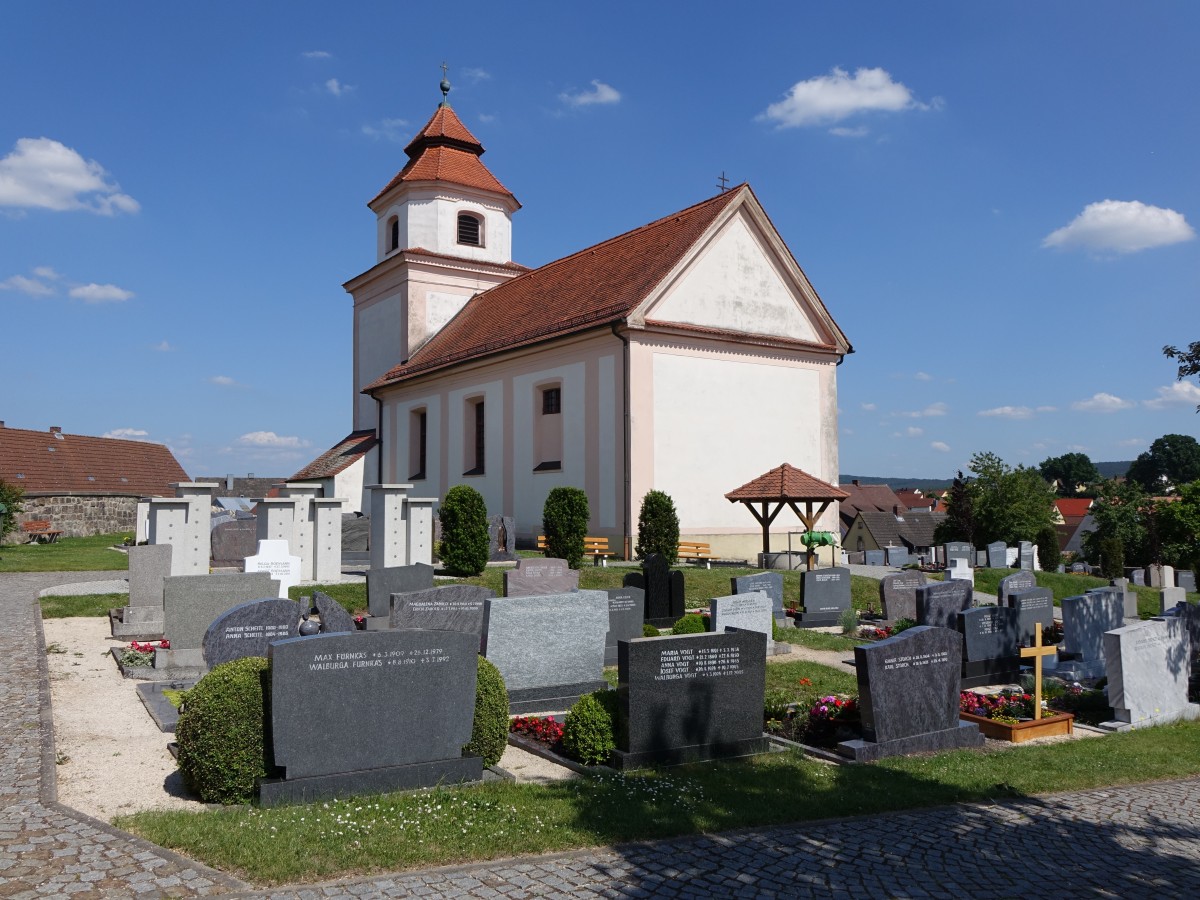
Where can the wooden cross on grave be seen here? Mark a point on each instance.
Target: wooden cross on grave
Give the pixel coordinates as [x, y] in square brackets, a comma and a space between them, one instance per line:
[1037, 651]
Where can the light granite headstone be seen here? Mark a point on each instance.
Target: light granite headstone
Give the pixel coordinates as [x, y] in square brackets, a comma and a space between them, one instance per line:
[961, 571]
[825, 595]
[626, 615]
[248, 628]
[1186, 579]
[334, 619]
[1148, 670]
[382, 583]
[997, 555]
[898, 594]
[1161, 576]
[748, 612]
[769, 583]
[142, 619]
[940, 602]
[1129, 597]
[1138, 577]
[274, 559]
[1169, 598]
[876, 558]
[1025, 555]
[549, 648]
[454, 607]
[192, 602]
[1085, 620]
[1015, 583]
[897, 556]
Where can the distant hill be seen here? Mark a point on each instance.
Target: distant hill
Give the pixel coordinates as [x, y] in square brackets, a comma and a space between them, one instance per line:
[925, 485]
[1113, 469]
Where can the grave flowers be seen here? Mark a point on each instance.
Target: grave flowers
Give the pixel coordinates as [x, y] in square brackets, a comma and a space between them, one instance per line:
[1012, 716]
[139, 654]
[543, 729]
[822, 722]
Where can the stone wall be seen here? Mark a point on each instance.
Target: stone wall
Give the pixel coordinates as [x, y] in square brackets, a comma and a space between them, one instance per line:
[79, 516]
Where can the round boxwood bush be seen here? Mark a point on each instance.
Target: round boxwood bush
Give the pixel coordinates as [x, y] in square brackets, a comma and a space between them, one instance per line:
[463, 516]
[692, 623]
[589, 732]
[489, 731]
[658, 527]
[220, 732]
[649, 630]
[565, 517]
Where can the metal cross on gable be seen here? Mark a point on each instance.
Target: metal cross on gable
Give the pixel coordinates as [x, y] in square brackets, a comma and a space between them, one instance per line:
[723, 182]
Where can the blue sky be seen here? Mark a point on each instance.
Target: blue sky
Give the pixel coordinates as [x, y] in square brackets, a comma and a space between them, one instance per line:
[997, 202]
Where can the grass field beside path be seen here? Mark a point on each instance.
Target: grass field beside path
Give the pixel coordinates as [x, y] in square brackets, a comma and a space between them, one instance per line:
[82, 554]
[81, 605]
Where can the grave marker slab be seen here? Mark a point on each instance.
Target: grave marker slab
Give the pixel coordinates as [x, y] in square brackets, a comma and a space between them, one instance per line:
[1035, 611]
[898, 594]
[192, 602]
[1148, 673]
[626, 613]
[274, 558]
[691, 697]
[663, 589]
[233, 541]
[960, 571]
[454, 607]
[142, 618]
[825, 595]
[1129, 599]
[1139, 577]
[1025, 555]
[897, 556]
[248, 629]
[1186, 579]
[746, 612]
[940, 602]
[876, 558]
[1169, 598]
[958, 550]
[502, 538]
[334, 619]
[534, 581]
[908, 688]
[769, 583]
[382, 583]
[997, 555]
[981, 559]
[991, 654]
[1161, 576]
[1016, 583]
[1085, 620]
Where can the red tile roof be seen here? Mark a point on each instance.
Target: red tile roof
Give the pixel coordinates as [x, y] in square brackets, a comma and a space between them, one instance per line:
[785, 482]
[444, 150]
[596, 286]
[347, 451]
[1073, 507]
[46, 462]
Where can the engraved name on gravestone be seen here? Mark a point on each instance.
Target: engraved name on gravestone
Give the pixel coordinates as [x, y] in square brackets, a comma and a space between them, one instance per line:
[274, 558]
[875, 557]
[191, 602]
[1035, 611]
[1015, 583]
[248, 628]
[537, 577]
[897, 556]
[383, 582]
[940, 602]
[334, 618]
[1148, 671]
[997, 555]
[769, 583]
[691, 697]
[455, 607]
[626, 614]
[990, 648]
[749, 612]
[958, 550]
[825, 594]
[663, 588]
[898, 594]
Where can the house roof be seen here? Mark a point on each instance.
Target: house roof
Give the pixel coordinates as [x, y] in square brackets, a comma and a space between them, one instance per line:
[445, 150]
[50, 462]
[1073, 507]
[867, 498]
[913, 530]
[785, 482]
[339, 457]
[912, 500]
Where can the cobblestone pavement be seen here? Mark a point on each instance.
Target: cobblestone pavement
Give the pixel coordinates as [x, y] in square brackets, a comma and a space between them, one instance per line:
[1140, 841]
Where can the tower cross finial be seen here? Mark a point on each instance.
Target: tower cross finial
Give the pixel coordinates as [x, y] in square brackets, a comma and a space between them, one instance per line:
[445, 85]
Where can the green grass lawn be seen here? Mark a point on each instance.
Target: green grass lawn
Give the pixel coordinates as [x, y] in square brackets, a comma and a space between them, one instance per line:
[83, 554]
[68, 607]
[366, 835]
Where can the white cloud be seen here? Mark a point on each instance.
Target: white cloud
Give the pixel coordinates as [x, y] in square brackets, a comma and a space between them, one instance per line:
[338, 89]
[1077, 448]
[127, 434]
[1132, 442]
[28, 286]
[914, 431]
[933, 409]
[46, 272]
[386, 129]
[923, 376]
[843, 131]
[222, 380]
[869, 407]
[1181, 393]
[1101, 403]
[1008, 412]
[41, 173]
[100, 293]
[831, 98]
[316, 54]
[941, 446]
[1122, 226]
[485, 118]
[473, 74]
[600, 93]
[163, 347]
[271, 439]
[1047, 409]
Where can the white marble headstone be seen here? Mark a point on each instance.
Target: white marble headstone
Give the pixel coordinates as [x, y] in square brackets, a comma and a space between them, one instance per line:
[1148, 667]
[273, 557]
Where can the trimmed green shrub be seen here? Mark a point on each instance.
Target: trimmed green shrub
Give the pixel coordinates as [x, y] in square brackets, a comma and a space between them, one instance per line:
[464, 545]
[11, 496]
[1112, 557]
[849, 620]
[489, 731]
[565, 520]
[589, 732]
[903, 625]
[658, 527]
[1049, 555]
[649, 630]
[692, 623]
[220, 732]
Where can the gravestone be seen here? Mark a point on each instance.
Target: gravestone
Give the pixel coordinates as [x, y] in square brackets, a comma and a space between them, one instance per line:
[334, 619]
[1129, 597]
[274, 559]
[248, 628]
[991, 654]
[1186, 579]
[854, 557]
[142, 619]
[957, 550]
[1189, 614]
[1085, 620]
[454, 607]
[191, 603]
[1138, 577]
[1169, 598]
[825, 595]
[875, 558]
[1025, 555]
[536, 577]
[382, 583]
[502, 538]
[356, 531]
[1015, 583]
[626, 614]
[746, 612]
[769, 583]
[232, 541]
[370, 713]
[690, 697]
[940, 602]
[898, 594]
[1161, 576]
[1035, 611]
[960, 571]
[663, 588]
[997, 555]
[1148, 674]
[548, 647]
[908, 689]
[981, 559]
[897, 556]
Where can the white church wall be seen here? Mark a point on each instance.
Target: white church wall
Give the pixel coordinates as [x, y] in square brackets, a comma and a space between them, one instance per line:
[377, 335]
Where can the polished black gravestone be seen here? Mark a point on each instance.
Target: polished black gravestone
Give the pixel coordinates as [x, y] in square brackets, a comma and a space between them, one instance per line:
[958, 550]
[1016, 583]
[370, 713]
[382, 583]
[664, 590]
[1035, 611]
[825, 596]
[908, 688]
[940, 602]
[769, 583]
[898, 594]
[690, 697]
[991, 653]
[334, 619]
[248, 628]
[454, 607]
[626, 615]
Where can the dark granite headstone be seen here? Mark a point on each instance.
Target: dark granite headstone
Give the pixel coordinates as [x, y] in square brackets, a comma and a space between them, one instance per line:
[908, 688]
[370, 713]
[958, 550]
[192, 602]
[1035, 611]
[898, 594]
[1186, 579]
[232, 541]
[502, 538]
[990, 650]
[382, 583]
[536, 581]
[981, 559]
[856, 558]
[1015, 583]
[691, 697]
[940, 602]
[997, 555]
[663, 589]
[875, 558]
[334, 619]
[897, 556]
[626, 613]
[248, 628]
[1025, 555]
[454, 607]
[825, 595]
[769, 583]
[356, 532]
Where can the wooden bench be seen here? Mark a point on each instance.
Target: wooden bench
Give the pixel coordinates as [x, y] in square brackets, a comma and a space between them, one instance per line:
[595, 547]
[696, 551]
[40, 532]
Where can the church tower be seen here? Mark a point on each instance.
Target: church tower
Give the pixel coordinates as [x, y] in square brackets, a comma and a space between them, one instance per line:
[443, 234]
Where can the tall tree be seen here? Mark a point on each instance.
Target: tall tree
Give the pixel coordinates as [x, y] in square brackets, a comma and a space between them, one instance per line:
[1011, 504]
[1072, 471]
[959, 524]
[1189, 361]
[1121, 512]
[1179, 527]
[1172, 460]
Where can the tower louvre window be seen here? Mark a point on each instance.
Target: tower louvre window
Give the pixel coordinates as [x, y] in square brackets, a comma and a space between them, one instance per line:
[393, 234]
[470, 230]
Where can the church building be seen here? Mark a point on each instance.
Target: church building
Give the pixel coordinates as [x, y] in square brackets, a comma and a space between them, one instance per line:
[688, 355]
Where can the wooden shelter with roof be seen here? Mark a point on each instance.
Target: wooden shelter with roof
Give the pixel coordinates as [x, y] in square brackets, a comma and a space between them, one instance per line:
[785, 485]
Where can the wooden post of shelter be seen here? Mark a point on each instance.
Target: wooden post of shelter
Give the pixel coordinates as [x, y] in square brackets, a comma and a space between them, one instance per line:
[785, 485]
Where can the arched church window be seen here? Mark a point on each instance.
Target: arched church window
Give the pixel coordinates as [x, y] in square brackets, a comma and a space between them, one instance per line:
[470, 230]
[393, 234]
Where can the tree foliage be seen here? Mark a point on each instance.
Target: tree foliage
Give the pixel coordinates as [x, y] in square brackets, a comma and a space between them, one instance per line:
[11, 496]
[565, 518]
[464, 546]
[1120, 512]
[1049, 554]
[1072, 471]
[1188, 359]
[959, 524]
[1179, 528]
[658, 527]
[1010, 504]
[1172, 460]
